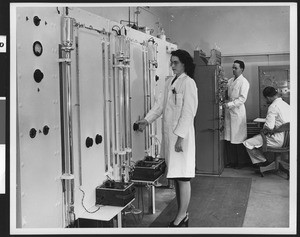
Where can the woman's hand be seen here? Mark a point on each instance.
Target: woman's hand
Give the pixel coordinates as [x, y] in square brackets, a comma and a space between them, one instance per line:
[178, 144]
[226, 104]
[142, 124]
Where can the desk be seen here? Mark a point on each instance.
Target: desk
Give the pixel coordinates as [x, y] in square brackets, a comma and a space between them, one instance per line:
[151, 193]
[253, 128]
[260, 121]
[106, 213]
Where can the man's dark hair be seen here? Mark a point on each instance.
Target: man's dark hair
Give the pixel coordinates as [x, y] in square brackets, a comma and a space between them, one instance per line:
[269, 91]
[187, 60]
[241, 63]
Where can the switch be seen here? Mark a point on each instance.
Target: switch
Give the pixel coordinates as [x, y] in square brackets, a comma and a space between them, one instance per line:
[98, 139]
[89, 142]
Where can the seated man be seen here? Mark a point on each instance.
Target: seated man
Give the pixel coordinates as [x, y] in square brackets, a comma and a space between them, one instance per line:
[278, 114]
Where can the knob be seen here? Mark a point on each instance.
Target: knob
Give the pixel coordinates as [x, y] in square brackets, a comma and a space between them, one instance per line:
[98, 139]
[135, 126]
[36, 20]
[46, 130]
[89, 142]
[156, 78]
[38, 75]
[32, 132]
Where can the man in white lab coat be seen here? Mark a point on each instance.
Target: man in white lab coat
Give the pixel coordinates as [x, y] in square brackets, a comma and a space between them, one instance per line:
[278, 114]
[235, 130]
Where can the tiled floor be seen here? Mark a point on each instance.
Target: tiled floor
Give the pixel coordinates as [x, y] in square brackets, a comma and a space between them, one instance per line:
[268, 204]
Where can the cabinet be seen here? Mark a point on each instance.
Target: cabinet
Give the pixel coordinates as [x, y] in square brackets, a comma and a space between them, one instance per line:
[277, 77]
[209, 120]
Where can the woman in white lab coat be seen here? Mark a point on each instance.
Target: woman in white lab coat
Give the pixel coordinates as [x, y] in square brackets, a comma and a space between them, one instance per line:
[178, 108]
[235, 131]
[278, 114]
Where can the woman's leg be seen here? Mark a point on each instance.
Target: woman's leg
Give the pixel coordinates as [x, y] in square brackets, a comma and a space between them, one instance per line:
[177, 193]
[184, 200]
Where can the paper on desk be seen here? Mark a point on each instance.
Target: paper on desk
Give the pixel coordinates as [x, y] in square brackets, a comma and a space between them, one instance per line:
[260, 120]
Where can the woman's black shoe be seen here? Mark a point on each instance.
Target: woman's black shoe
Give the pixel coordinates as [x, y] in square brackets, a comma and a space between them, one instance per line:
[184, 222]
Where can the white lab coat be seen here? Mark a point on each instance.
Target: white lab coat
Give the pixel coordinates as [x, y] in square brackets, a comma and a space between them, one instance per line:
[235, 129]
[278, 114]
[178, 110]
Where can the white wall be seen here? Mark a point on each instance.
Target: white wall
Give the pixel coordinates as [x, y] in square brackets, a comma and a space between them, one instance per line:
[236, 30]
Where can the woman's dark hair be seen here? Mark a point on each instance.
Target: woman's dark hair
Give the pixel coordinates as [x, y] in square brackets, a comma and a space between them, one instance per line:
[269, 91]
[187, 60]
[241, 63]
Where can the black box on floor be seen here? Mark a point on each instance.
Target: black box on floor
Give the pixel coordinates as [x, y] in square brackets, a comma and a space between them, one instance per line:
[115, 193]
[148, 169]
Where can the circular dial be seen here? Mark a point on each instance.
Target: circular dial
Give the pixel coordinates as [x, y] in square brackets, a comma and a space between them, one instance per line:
[37, 48]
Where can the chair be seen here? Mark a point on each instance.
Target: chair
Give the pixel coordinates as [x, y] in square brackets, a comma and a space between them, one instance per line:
[277, 164]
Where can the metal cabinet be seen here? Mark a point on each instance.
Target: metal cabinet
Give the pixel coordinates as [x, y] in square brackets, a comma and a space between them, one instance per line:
[209, 120]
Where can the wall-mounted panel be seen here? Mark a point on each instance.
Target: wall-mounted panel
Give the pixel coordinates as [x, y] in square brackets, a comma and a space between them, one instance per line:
[91, 101]
[38, 108]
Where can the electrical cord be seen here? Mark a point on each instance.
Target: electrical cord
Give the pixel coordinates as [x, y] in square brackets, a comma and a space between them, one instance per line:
[83, 203]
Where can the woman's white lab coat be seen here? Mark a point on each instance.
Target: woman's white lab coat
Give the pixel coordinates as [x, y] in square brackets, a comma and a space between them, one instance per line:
[178, 107]
[278, 114]
[235, 129]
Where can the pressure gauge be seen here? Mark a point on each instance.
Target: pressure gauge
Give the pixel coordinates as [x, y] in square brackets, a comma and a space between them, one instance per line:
[37, 48]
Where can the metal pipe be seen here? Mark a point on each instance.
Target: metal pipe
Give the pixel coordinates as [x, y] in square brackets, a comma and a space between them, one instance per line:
[128, 107]
[151, 126]
[78, 106]
[67, 42]
[67, 178]
[104, 107]
[129, 15]
[122, 121]
[110, 87]
[116, 108]
[146, 108]
[127, 115]
[121, 104]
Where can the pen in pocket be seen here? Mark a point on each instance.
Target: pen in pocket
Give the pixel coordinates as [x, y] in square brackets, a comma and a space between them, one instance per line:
[175, 93]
